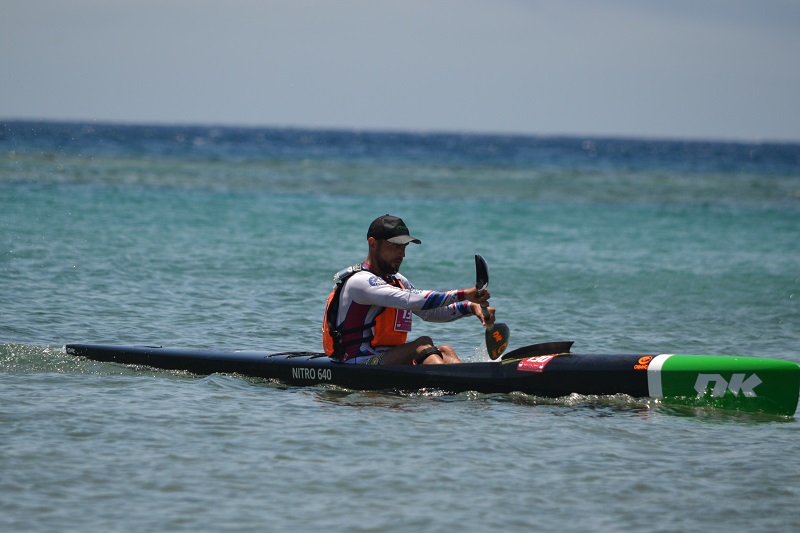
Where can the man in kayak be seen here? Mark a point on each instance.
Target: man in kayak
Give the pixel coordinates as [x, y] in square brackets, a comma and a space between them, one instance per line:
[369, 312]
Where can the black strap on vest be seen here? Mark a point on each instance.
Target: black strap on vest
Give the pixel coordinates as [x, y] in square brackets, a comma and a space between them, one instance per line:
[333, 310]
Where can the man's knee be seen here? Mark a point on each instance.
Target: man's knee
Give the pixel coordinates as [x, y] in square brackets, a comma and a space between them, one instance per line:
[428, 355]
[422, 342]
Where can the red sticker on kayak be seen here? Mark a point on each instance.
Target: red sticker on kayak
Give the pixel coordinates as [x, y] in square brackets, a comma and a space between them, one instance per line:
[535, 364]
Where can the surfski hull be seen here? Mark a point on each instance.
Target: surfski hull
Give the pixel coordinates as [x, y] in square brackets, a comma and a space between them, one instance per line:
[547, 370]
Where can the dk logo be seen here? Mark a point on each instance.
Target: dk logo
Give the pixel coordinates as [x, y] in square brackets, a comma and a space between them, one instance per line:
[738, 384]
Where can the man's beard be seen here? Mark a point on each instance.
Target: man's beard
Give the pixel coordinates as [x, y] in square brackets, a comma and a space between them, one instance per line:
[388, 267]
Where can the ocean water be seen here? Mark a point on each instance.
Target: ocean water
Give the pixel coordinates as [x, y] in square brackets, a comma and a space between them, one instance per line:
[228, 238]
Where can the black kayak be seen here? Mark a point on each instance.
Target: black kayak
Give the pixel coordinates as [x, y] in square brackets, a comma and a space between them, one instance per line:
[545, 370]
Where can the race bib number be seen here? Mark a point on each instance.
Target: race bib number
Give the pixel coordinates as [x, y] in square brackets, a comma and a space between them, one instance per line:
[403, 320]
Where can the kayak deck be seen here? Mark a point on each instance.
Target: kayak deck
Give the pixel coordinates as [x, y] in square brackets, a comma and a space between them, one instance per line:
[546, 370]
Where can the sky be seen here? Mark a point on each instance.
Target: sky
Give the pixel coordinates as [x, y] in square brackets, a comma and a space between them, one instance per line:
[687, 69]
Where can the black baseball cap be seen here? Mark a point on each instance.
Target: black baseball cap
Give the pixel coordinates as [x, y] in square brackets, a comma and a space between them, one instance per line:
[392, 229]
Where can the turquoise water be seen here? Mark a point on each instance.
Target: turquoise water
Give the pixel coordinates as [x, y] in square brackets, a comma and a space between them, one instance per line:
[228, 238]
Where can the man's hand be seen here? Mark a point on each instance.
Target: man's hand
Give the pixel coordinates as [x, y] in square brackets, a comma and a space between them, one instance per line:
[484, 313]
[478, 296]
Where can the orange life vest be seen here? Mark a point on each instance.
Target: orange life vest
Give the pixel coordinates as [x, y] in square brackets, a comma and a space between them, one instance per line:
[390, 327]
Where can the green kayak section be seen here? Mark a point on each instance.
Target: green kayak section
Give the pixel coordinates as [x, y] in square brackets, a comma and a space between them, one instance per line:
[741, 383]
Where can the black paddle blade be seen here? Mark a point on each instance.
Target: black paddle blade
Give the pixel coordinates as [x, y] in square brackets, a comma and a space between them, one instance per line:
[481, 272]
[497, 340]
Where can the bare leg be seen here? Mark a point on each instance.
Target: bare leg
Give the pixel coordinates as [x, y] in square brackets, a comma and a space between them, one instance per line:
[449, 354]
[405, 353]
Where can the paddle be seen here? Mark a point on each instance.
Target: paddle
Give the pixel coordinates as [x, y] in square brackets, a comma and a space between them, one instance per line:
[497, 334]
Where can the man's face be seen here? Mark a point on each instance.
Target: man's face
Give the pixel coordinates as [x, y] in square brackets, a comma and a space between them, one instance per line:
[390, 256]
